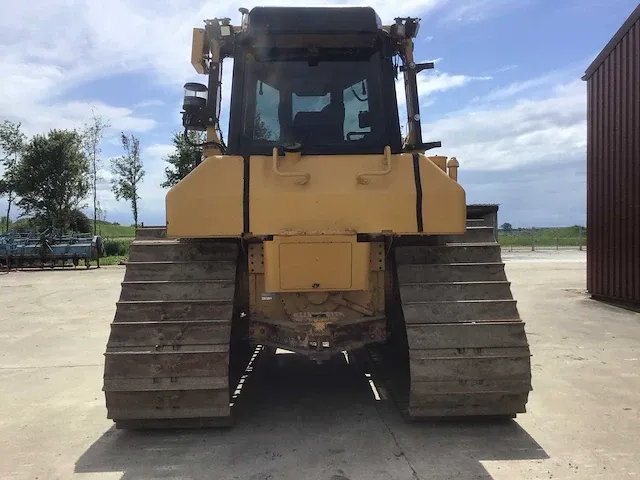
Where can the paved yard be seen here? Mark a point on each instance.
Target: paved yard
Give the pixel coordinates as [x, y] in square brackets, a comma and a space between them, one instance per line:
[301, 421]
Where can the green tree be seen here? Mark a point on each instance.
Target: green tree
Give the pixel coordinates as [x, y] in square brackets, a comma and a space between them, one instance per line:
[12, 142]
[128, 173]
[79, 222]
[506, 227]
[183, 159]
[92, 134]
[52, 177]
[102, 213]
[260, 129]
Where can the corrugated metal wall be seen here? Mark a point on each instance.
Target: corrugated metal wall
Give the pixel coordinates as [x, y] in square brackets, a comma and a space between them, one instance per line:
[613, 173]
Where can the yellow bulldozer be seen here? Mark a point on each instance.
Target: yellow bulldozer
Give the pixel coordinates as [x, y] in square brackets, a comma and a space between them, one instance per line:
[317, 228]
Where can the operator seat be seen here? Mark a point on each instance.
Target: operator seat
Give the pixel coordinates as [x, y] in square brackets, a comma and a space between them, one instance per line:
[325, 126]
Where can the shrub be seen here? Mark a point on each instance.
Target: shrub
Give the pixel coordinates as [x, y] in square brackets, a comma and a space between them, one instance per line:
[26, 224]
[116, 247]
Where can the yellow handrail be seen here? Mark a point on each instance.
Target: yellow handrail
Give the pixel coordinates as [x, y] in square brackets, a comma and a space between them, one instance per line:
[305, 177]
[386, 163]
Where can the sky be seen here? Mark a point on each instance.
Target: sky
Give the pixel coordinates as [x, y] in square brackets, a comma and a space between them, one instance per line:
[506, 97]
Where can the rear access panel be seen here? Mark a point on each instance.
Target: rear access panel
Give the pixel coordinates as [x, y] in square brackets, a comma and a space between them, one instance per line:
[316, 263]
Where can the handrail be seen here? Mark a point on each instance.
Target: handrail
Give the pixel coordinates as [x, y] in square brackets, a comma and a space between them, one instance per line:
[386, 163]
[305, 177]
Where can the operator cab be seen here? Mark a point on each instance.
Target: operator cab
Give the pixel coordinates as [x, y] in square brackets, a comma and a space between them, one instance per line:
[322, 78]
[328, 87]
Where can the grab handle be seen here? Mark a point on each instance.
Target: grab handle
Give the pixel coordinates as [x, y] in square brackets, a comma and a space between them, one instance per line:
[386, 164]
[303, 176]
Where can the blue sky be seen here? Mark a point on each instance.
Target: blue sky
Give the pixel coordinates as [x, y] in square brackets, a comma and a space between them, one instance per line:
[505, 98]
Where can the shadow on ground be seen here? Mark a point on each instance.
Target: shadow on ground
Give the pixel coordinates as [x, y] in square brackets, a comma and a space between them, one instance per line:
[297, 420]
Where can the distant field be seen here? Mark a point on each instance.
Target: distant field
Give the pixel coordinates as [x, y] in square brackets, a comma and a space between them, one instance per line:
[544, 237]
[109, 230]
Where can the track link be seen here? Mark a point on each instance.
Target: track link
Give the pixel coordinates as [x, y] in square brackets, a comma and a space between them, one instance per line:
[458, 346]
[167, 361]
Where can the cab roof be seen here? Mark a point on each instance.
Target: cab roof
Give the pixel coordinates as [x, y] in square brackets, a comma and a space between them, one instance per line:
[318, 20]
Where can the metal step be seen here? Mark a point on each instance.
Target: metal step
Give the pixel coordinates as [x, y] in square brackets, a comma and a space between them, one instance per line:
[180, 251]
[479, 222]
[467, 335]
[174, 334]
[459, 311]
[178, 290]
[151, 232]
[459, 387]
[172, 310]
[456, 272]
[474, 234]
[467, 404]
[443, 254]
[211, 270]
[512, 364]
[167, 404]
[455, 291]
[137, 370]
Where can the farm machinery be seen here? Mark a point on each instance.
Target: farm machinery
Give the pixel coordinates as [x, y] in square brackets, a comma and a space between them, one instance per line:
[318, 228]
[49, 248]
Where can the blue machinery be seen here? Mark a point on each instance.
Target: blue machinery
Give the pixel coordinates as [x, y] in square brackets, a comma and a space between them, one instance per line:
[49, 249]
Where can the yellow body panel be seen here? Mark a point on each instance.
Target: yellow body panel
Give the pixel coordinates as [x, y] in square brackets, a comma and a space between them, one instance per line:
[208, 201]
[334, 200]
[316, 263]
[320, 194]
[348, 304]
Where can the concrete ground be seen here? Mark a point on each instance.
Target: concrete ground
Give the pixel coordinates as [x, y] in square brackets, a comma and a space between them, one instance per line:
[301, 421]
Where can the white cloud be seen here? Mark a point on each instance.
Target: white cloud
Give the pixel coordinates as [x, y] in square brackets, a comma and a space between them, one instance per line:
[149, 103]
[538, 86]
[30, 95]
[431, 83]
[542, 130]
[518, 88]
[441, 82]
[506, 68]
[465, 11]
[158, 151]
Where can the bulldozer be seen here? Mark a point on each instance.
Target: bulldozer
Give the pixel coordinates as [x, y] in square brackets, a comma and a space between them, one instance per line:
[319, 227]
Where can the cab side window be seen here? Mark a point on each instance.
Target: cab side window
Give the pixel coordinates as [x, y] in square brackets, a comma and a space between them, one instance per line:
[266, 125]
[356, 105]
